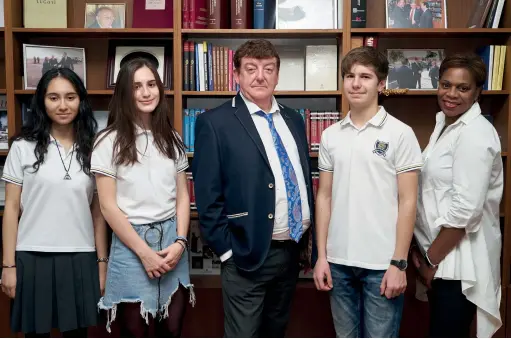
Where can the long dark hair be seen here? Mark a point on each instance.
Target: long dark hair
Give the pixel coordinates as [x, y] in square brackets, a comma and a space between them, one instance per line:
[123, 117]
[38, 124]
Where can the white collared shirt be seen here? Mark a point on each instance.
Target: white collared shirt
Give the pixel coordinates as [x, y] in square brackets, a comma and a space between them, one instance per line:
[146, 190]
[365, 163]
[280, 226]
[461, 186]
[55, 213]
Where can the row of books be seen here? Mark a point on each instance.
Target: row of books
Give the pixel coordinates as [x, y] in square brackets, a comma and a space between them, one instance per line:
[208, 67]
[494, 57]
[262, 14]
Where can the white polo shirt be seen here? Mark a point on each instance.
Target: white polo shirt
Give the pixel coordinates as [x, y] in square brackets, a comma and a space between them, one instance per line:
[146, 190]
[365, 163]
[55, 213]
[461, 186]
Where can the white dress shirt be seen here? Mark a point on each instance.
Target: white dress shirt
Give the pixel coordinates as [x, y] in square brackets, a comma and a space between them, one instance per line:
[461, 186]
[281, 226]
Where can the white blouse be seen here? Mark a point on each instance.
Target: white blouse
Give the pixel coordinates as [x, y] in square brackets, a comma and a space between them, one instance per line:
[461, 186]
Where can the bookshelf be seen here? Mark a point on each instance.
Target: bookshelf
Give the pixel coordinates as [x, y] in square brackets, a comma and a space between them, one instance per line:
[415, 108]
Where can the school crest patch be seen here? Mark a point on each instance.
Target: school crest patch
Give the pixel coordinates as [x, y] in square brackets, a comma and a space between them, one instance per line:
[381, 148]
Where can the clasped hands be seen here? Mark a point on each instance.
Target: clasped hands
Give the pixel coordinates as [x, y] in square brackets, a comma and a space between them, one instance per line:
[425, 273]
[158, 263]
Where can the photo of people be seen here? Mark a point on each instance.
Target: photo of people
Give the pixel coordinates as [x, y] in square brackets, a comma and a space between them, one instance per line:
[105, 15]
[415, 69]
[40, 59]
[416, 14]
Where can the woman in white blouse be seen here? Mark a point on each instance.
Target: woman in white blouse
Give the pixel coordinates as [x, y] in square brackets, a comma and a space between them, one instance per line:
[458, 238]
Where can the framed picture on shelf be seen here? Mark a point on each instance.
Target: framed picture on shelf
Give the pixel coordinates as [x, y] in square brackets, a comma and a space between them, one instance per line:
[157, 52]
[414, 69]
[101, 15]
[416, 14]
[38, 59]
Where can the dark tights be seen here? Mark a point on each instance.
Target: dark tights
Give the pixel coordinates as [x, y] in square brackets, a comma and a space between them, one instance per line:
[129, 322]
[78, 333]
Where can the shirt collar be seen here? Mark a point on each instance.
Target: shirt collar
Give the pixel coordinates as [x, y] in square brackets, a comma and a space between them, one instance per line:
[473, 112]
[253, 108]
[139, 130]
[377, 120]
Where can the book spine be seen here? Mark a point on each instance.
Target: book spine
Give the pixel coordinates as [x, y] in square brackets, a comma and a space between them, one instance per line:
[259, 14]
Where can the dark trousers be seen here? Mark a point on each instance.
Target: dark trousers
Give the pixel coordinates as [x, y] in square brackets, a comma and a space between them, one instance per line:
[257, 304]
[451, 314]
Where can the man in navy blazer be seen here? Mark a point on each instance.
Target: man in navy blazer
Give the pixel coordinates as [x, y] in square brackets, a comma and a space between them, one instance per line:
[253, 190]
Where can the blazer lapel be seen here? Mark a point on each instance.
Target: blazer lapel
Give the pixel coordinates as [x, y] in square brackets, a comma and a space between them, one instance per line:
[296, 136]
[244, 117]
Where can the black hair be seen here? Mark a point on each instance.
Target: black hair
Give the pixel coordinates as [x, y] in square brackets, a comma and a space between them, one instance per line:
[38, 125]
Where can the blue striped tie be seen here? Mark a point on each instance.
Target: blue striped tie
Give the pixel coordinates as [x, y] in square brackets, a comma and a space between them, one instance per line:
[294, 201]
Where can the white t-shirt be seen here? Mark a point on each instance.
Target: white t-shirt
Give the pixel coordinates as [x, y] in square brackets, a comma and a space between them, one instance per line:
[55, 213]
[146, 190]
[365, 163]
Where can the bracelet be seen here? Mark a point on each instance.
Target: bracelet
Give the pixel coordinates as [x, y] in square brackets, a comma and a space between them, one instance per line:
[180, 243]
[182, 238]
[8, 266]
[102, 260]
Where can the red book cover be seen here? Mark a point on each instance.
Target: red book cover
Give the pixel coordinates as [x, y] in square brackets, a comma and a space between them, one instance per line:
[308, 126]
[241, 14]
[231, 88]
[198, 14]
[186, 14]
[153, 17]
[218, 12]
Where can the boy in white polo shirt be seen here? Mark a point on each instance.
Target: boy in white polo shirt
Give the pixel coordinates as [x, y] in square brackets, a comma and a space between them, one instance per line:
[365, 206]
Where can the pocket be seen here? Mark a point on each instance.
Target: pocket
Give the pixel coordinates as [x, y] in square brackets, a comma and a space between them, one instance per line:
[237, 215]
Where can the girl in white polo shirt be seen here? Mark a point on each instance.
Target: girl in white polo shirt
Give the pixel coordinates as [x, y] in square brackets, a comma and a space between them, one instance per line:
[52, 254]
[139, 162]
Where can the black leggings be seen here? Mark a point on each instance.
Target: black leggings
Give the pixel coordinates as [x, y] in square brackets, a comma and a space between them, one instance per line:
[78, 333]
[451, 314]
[129, 323]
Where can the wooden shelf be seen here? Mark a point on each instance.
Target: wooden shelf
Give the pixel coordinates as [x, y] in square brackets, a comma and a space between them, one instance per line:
[432, 32]
[277, 93]
[4, 152]
[266, 33]
[95, 32]
[434, 93]
[90, 92]
[3, 91]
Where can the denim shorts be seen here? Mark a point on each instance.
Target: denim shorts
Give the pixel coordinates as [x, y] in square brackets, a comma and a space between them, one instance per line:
[127, 280]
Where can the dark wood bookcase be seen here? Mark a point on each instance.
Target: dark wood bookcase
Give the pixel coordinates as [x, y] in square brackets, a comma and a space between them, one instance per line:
[311, 310]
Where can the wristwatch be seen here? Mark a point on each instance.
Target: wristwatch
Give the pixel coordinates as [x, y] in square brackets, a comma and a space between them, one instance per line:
[401, 264]
[428, 261]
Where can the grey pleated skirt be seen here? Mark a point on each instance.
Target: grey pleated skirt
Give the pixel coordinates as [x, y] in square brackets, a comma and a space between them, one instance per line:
[55, 290]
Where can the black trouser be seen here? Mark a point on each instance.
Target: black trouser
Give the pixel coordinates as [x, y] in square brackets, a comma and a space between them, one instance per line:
[451, 314]
[257, 304]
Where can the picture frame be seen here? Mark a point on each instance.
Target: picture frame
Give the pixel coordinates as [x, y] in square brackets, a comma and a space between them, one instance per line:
[414, 69]
[398, 14]
[159, 51]
[37, 59]
[105, 15]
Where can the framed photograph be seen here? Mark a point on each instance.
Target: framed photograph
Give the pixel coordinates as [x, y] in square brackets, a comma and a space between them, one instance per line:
[414, 69]
[101, 15]
[157, 51]
[38, 59]
[416, 14]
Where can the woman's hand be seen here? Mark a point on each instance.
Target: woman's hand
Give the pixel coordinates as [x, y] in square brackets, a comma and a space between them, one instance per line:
[102, 276]
[155, 265]
[426, 273]
[172, 254]
[9, 282]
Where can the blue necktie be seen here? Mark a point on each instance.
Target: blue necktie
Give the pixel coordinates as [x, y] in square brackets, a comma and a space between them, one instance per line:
[294, 201]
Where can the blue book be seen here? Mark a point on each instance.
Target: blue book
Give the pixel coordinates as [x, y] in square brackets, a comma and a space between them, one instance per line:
[186, 129]
[264, 14]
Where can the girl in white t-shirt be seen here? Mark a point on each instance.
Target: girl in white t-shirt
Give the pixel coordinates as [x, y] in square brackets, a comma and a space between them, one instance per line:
[54, 257]
[139, 162]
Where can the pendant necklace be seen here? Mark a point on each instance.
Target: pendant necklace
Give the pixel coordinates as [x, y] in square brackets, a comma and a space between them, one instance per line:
[67, 176]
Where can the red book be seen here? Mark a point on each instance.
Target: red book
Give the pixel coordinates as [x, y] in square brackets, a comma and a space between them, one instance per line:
[152, 18]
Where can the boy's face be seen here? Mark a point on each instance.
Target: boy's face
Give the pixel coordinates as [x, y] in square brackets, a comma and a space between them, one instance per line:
[361, 86]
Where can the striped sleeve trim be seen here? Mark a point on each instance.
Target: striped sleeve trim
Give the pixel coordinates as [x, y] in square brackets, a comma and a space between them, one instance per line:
[182, 168]
[12, 180]
[411, 167]
[103, 171]
[324, 169]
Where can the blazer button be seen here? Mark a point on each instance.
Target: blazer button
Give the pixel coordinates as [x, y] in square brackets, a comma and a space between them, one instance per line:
[270, 185]
[270, 216]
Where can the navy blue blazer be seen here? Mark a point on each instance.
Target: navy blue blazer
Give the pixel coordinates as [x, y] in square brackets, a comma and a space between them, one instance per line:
[234, 184]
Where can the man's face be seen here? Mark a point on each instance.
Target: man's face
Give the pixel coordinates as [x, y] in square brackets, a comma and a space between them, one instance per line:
[105, 18]
[401, 3]
[257, 78]
[361, 85]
